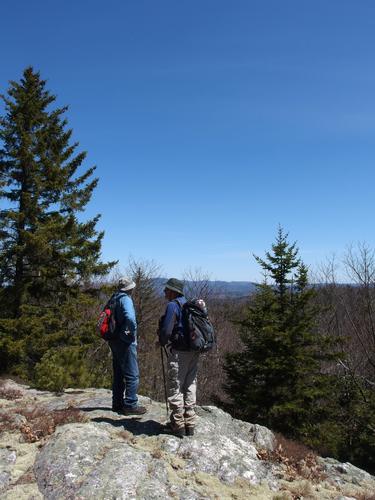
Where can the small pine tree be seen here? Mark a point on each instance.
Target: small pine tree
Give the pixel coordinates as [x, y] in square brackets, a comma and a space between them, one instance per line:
[278, 379]
[47, 254]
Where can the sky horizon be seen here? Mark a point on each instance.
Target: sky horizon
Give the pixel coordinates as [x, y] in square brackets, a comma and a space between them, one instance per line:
[212, 123]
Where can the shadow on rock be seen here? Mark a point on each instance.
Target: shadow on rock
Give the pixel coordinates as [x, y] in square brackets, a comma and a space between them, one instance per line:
[94, 408]
[73, 391]
[134, 425]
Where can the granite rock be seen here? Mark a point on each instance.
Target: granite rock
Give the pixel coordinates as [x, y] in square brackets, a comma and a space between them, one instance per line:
[110, 456]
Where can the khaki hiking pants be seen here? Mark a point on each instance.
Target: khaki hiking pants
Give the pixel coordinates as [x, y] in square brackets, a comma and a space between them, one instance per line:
[182, 387]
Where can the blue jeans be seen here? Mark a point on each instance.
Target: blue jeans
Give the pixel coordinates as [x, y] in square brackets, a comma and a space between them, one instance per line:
[125, 374]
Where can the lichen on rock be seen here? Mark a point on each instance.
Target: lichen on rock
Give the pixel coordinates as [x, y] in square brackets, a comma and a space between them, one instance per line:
[100, 454]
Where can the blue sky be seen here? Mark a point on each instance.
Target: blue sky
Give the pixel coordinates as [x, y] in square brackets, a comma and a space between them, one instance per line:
[211, 122]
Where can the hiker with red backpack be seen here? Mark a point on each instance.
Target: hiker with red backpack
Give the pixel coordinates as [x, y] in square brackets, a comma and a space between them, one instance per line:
[186, 332]
[121, 334]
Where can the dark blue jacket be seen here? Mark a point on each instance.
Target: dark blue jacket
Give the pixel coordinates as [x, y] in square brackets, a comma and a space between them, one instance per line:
[170, 328]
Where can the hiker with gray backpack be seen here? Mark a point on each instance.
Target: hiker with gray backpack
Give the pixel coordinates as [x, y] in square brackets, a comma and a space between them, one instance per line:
[184, 332]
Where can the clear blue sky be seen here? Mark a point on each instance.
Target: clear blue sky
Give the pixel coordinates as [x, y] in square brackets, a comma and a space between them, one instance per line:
[211, 121]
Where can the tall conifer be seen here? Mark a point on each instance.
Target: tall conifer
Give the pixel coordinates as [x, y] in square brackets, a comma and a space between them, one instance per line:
[278, 378]
[46, 252]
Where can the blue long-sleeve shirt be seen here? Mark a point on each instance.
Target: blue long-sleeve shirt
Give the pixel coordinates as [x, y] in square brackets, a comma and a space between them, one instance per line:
[125, 318]
[172, 320]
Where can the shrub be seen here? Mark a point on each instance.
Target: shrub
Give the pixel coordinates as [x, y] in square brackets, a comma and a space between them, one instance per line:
[299, 460]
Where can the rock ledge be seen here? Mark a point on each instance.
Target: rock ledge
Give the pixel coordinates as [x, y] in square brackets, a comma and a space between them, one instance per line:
[72, 446]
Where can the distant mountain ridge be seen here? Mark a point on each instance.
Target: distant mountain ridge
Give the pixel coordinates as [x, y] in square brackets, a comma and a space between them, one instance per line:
[234, 289]
[230, 289]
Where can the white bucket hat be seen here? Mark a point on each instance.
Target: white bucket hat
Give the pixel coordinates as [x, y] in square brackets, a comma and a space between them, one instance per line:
[125, 283]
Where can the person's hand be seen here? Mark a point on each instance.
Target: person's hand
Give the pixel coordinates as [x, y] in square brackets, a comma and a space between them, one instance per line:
[157, 344]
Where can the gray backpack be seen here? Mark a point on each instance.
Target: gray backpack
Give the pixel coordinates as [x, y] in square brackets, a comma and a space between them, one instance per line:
[197, 328]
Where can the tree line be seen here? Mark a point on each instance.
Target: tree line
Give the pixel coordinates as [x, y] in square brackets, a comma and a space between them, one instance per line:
[297, 358]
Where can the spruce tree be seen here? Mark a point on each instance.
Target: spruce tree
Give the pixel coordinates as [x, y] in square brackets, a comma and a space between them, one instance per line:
[47, 253]
[278, 378]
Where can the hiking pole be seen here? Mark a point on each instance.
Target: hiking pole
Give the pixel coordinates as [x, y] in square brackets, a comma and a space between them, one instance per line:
[165, 384]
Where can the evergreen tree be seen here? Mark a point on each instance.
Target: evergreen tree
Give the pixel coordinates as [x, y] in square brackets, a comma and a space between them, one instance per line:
[47, 254]
[278, 379]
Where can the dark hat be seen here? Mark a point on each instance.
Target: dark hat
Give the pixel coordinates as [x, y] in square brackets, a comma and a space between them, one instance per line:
[175, 285]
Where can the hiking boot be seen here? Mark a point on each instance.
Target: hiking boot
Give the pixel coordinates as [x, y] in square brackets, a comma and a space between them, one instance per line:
[171, 428]
[118, 408]
[136, 410]
[189, 431]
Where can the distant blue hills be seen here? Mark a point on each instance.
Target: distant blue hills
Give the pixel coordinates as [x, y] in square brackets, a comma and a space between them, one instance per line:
[230, 289]
[220, 289]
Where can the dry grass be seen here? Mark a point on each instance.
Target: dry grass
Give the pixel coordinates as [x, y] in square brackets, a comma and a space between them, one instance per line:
[366, 496]
[7, 422]
[282, 496]
[27, 477]
[299, 490]
[299, 461]
[40, 422]
[156, 453]
[8, 393]
[127, 436]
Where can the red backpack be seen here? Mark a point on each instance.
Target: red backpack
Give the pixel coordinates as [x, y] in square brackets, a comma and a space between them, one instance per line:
[106, 325]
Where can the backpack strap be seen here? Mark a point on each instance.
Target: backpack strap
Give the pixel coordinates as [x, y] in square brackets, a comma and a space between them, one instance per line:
[170, 342]
[179, 304]
[115, 296]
